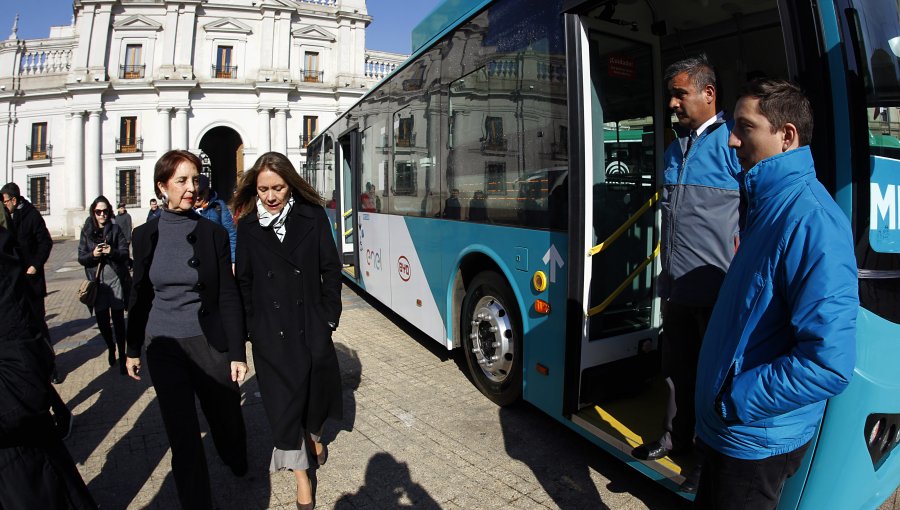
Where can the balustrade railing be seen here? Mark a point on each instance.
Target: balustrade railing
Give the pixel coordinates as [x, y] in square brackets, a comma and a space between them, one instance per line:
[224, 71]
[43, 60]
[328, 3]
[379, 64]
[38, 152]
[130, 145]
[131, 72]
[312, 75]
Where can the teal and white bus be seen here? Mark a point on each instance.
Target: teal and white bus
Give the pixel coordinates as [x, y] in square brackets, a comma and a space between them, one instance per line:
[499, 192]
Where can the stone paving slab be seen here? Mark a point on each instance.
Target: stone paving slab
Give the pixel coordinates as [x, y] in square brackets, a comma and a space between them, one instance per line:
[416, 432]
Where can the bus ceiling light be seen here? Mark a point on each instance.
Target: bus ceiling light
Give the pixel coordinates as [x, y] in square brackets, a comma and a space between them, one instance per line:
[541, 306]
[539, 281]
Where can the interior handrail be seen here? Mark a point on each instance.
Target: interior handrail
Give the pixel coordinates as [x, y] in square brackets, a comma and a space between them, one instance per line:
[348, 213]
[628, 223]
[634, 274]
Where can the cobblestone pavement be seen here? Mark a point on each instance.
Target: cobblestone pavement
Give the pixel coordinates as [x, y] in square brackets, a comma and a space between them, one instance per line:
[416, 433]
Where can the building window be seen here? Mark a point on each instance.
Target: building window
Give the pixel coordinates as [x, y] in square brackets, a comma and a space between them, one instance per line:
[494, 139]
[310, 129]
[39, 149]
[223, 68]
[133, 67]
[405, 135]
[39, 192]
[128, 140]
[310, 71]
[127, 186]
[495, 178]
[405, 179]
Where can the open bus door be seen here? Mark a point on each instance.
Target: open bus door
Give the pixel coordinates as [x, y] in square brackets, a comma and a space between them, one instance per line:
[348, 182]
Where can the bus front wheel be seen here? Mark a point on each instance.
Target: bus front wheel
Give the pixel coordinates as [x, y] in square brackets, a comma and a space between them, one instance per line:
[492, 338]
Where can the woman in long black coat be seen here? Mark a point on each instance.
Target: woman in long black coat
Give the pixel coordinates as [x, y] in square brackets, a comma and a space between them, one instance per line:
[289, 275]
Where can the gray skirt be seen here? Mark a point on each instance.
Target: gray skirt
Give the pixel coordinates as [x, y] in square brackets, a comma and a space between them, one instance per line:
[293, 460]
[110, 294]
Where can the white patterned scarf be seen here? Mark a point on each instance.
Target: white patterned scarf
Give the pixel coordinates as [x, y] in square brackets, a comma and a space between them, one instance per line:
[274, 221]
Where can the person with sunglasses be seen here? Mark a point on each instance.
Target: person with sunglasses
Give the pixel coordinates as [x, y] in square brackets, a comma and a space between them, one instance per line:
[103, 251]
[186, 311]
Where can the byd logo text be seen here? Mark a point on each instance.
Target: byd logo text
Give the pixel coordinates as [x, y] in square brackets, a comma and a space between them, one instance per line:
[403, 268]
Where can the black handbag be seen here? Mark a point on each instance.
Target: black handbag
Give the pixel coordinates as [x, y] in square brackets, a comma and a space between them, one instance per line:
[87, 291]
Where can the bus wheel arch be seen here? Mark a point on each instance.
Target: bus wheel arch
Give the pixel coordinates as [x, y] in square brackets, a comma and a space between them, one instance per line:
[490, 330]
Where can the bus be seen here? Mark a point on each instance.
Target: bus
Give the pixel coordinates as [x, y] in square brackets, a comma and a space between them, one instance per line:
[499, 191]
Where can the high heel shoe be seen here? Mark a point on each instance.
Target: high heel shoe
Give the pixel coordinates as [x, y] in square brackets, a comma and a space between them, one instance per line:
[322, 456]
[306, 506]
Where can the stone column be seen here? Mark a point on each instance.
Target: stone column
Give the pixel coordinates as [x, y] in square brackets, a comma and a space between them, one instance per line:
[263, 125]
[280, 142]
[92, 177]
[164, 122]
[6, 149]
[180, 140]
[75, 198]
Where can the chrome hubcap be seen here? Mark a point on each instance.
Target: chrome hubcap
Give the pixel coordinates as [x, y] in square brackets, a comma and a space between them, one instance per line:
[492, 338]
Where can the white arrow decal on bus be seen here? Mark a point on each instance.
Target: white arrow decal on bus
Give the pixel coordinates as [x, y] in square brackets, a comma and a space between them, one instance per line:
[552, 257]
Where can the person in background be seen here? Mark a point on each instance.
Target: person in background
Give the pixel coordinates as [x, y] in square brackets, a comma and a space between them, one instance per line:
[123, 220]
[187, 308]
[103, 245]
[36, 469]
[452, 207]
[782, 336]
[155, 211]
[478, 207]
[290, 279]
[700, 231]
[213, 208]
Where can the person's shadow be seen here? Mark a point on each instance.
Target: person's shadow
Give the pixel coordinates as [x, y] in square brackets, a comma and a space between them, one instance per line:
[387, 485]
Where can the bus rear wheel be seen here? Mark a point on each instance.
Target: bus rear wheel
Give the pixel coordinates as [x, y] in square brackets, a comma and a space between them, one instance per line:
[492, 338]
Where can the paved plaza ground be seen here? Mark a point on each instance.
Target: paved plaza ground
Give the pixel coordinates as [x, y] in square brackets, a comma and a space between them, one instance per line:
[416, 433]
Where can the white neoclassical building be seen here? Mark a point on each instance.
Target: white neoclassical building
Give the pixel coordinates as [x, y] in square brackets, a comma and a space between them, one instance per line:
[88, 110]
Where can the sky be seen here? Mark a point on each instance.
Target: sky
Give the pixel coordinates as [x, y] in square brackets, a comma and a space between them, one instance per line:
[393, 20]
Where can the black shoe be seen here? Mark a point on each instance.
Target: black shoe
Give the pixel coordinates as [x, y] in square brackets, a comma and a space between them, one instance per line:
[692, 480]
[55, 378]
[650, 451]
[64, 423]
[111, 358]
[122, 370]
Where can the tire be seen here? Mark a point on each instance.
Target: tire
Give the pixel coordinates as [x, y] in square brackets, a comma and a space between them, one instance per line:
[492, 338]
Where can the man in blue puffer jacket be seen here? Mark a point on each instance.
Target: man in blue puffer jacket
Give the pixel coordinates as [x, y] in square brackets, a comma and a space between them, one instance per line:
[211, 207]
[782, 337]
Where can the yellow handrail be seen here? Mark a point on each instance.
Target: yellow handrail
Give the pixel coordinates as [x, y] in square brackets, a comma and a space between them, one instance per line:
[615, 235]
[348, 232]
[348, 213]
[634, 274]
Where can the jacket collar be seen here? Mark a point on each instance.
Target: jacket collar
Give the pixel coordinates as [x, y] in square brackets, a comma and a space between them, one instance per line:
[299, 224]
[773, 175]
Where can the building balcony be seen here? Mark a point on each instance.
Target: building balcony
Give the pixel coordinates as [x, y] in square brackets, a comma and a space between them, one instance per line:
[305, 139]
[494, 144]
[39, 152]
[129, 145]
[131, 72]
[406, 141]
[228, 72]
[312, 76]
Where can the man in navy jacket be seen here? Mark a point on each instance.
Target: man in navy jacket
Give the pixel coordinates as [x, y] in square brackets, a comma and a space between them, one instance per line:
[782, 336]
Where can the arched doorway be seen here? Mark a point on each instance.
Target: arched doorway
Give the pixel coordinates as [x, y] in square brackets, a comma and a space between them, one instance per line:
[225, 149]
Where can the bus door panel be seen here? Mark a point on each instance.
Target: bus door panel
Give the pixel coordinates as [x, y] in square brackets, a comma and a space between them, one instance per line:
[414, 269]
[622, 155]
[348, 159]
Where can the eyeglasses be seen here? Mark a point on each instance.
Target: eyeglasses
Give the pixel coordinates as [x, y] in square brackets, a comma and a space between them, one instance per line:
[101, 212]
[8, 200]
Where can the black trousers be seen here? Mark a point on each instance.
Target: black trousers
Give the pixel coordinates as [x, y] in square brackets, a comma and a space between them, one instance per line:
[684, 327]
[181, 369]
[737, 484]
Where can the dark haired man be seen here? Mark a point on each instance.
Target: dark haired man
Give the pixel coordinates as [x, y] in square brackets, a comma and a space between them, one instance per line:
[154, 211]
[700, 206]
[782, 336]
